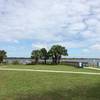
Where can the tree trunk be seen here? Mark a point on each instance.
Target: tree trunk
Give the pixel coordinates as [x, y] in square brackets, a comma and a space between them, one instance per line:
[59, 58]
[1, 59]
[36, 60]
[45, 60]
[55, 59]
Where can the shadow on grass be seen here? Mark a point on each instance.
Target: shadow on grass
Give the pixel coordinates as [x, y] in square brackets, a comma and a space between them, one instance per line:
[77, 93]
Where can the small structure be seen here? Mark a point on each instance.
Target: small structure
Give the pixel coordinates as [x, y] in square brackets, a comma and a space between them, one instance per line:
[83, 64]
[76, 63]
[98, 64]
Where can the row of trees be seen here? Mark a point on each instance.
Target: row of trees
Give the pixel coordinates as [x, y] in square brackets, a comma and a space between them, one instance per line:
[55, 53]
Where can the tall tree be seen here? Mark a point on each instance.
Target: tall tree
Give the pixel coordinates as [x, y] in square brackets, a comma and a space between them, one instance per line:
[56, 52]
[62, 51]
[2, 55]
[44, 54]
[36, 54]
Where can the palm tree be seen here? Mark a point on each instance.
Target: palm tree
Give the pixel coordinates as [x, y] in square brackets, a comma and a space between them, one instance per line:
[61, 51]
[56, 52]
[2, 55]
[44, 54]
[36, 54]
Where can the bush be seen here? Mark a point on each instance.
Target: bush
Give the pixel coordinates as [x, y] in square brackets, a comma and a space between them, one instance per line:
[15, 62]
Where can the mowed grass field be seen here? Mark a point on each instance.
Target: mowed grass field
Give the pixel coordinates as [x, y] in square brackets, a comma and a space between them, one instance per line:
[51, 67]
[22, 85]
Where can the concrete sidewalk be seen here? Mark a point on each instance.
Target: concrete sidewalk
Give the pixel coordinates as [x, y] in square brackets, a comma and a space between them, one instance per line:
[92, 68]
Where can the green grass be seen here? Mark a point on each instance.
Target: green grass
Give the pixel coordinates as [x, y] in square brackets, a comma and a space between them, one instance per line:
[50, 67]
[48, 86]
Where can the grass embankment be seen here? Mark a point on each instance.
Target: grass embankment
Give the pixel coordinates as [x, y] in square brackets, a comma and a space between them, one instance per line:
[50, 67]
[48, 86]
[16, 85]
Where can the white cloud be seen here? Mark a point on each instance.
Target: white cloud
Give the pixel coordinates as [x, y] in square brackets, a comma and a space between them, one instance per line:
[22, 19]
[73, 23]
[95, 47]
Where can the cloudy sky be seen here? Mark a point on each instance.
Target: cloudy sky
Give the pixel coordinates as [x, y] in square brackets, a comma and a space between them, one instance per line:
[32, 24]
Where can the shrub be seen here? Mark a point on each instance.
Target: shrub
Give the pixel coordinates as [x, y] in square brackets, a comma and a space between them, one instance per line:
[16, 62]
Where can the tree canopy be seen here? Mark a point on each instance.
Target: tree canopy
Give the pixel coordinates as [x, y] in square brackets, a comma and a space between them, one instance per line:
[36, 54]
[2, 55]
[55, 52]
[44, 54]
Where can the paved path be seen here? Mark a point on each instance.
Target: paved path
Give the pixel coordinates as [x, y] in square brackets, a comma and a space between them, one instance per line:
[48, 71]
[92, 68]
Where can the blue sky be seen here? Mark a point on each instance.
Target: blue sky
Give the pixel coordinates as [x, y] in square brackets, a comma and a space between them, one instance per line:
[32, 24]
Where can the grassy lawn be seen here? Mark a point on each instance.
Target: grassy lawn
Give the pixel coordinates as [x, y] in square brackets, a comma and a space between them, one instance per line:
[50, 67]
[48, 86]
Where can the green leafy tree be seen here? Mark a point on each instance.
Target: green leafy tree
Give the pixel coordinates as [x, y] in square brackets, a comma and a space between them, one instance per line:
[56, 52]
[36, 54]
[44, 54]
[62, 51]
[2, 55]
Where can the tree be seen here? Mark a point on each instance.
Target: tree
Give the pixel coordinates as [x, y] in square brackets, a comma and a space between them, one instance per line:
[56, 52]
[44, 54]
[36, 54]
[61, 51]
[2, 55]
